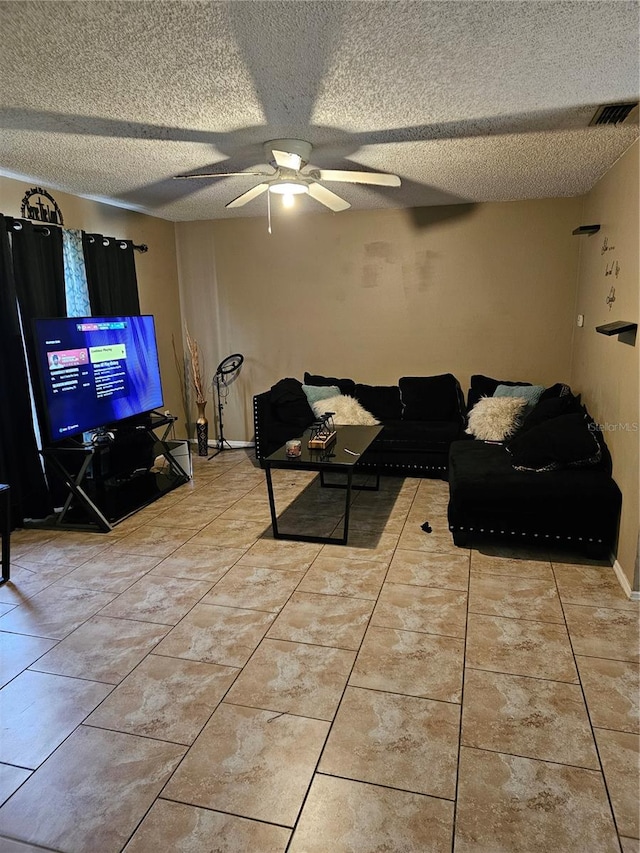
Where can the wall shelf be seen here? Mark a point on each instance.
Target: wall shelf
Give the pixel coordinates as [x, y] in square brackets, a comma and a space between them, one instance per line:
[586, 229]
[617, 328]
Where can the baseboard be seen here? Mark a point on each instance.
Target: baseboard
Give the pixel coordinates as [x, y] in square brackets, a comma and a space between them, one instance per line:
[623, 580]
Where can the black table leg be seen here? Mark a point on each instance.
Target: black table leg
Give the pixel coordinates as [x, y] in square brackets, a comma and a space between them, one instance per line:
[272, 503]
[5, 532]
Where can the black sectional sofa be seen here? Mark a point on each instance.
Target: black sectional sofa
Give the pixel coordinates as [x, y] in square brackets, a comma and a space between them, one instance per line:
[548, 484]
[421, 416]
[562, 495]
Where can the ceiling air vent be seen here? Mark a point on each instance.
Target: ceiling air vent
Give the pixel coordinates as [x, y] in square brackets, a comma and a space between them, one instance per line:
[613, 113]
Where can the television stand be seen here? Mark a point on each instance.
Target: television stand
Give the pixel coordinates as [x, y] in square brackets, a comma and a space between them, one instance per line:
[110, 480]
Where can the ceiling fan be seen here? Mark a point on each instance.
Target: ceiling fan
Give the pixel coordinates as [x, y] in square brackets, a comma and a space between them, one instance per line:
[289, 157]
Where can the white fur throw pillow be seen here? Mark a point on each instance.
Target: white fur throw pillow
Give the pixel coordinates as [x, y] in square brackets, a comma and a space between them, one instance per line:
[495, 418]
[348, 411]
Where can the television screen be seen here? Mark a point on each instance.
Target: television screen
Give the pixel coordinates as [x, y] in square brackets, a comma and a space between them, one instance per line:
[95, 371]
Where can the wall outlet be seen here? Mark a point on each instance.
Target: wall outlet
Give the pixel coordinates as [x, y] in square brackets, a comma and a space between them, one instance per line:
[580, 320]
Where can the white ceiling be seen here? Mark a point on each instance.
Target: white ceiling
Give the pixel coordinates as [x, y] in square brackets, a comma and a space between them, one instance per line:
[466, 101]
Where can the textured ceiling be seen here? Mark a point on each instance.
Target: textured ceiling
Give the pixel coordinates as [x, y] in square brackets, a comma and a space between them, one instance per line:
[466, 101]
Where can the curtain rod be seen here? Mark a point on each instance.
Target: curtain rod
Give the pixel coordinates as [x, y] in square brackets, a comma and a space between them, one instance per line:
[16, 224]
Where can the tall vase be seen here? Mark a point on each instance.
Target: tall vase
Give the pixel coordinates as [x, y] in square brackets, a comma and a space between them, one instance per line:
[202, 430]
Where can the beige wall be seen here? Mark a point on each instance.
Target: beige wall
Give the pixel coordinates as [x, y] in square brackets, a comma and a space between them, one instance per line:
[375, 295]
[156, 269]
[605, 369]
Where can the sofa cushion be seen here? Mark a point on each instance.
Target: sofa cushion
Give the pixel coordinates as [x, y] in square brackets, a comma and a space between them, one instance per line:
[482, 480]
[484, 386]
[346, 410]
[383, 401]
[495, 418]
[551, 407]
[431, 398]
[346, 386]
[557, 390]
[418, 435]
[567, 440]
[289, 403]
[313, 393]
[530, 393]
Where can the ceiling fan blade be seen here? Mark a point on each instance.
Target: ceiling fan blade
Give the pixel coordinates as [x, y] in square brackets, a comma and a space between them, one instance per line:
[379, 179]
[328, 198]
[286, 160]
[221, 175]
[254, 192]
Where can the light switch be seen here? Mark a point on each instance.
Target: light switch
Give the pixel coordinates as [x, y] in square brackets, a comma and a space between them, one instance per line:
[580, 320]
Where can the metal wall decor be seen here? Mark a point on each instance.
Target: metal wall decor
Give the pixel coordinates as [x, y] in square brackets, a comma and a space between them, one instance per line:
[40, 206]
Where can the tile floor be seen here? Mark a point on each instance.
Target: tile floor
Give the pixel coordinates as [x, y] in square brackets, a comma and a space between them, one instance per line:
[186, 683]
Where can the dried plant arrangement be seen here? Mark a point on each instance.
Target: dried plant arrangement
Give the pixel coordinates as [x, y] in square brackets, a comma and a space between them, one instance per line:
[195, 367]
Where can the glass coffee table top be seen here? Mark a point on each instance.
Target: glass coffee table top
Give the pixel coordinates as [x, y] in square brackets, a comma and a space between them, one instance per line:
[350, 443]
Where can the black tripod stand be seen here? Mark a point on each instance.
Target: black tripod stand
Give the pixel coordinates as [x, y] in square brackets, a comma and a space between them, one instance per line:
[226, 373]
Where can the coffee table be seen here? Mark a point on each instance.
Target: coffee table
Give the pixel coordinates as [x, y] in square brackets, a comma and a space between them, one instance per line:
[341, 457]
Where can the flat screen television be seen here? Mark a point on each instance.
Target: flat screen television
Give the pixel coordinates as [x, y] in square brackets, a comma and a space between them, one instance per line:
[95, 371]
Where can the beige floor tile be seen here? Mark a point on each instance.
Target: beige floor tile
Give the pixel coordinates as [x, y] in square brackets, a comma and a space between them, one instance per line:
[418, 608]
[29, 579]
[439, 541]
[602, 632]
[620, 756]
[92, 793]
[294, 678]
[213, 634]
[364, 545]
[595, 586]
[278, 554]
[175, 826]
[530, 717]
[157, 599]
[251, 763]
[155, 540]
[516, 598]
[497, 564]
[103, 649]
[165, 698]
[68, 551]
[510, 803]
[110, 571]
[411, 663]
[187, 515]
[396, 741]
[354, 817]
[10, 780]
[198, 562]
[38, 711]
[325, 620]
[18, 652]
[630, 845]
[520, 647]
[339, 576]
[446, 571]
[232, 533]
[612, 691]
[55, 612]
[253, 588]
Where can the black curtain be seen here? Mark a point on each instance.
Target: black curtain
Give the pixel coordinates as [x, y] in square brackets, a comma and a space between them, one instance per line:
[19, 460]
[111, 275]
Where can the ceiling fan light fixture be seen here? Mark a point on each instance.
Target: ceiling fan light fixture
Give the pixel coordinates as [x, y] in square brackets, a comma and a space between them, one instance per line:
[289, 188]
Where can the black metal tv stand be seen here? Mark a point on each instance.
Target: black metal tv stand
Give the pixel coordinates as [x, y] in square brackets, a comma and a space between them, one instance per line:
[106, 481]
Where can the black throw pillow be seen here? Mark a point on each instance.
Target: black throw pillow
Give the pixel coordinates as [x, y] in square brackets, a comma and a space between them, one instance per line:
[383, 401]
[346, 386]
[431, 398]
[484, 386]
[550, 408]
[557, 390]
[290, 405]
[564, 441]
